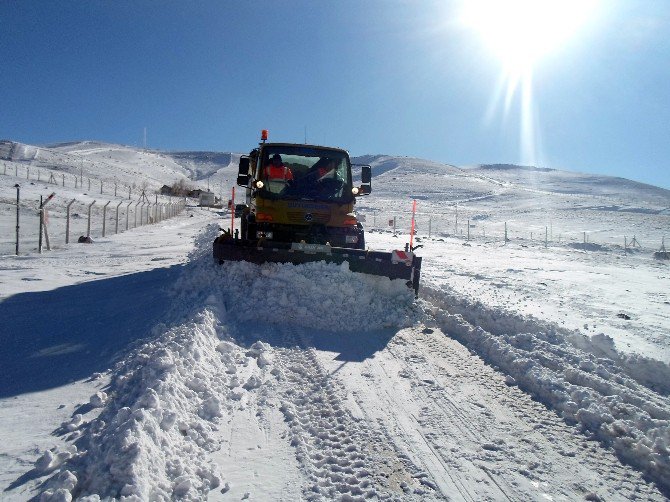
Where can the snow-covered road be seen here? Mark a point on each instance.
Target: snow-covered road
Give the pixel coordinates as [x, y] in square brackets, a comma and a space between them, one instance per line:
[178, 378]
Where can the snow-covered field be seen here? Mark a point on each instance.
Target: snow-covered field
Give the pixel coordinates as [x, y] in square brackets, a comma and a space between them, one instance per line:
[137, 368]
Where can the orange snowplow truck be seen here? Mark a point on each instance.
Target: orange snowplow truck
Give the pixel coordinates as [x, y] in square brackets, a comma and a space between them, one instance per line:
[300, 208]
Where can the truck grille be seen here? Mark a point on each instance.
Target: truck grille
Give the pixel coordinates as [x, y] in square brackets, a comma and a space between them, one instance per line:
[299, 217]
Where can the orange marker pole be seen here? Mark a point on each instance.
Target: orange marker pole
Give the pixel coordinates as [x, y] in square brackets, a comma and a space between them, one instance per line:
[411, 232]
[232, 215]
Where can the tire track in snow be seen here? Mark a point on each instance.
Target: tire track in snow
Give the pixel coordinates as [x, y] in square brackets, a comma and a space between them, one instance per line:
[418, 443]
[346, 459]
[475, 437]
[420, 417]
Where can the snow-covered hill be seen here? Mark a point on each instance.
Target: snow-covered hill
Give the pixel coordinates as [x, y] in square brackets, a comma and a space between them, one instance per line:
[527, 370]
[123, 164]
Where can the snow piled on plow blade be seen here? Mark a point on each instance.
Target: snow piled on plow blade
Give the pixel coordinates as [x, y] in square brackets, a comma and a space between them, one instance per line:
[386, 264]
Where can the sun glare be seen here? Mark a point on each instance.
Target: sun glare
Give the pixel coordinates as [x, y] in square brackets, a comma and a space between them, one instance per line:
[521, 32]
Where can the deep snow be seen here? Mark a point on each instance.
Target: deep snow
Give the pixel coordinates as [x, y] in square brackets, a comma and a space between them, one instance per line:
[136, 367]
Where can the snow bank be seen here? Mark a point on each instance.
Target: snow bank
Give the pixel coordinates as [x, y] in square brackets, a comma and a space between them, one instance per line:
[583, 388]
[151, 439]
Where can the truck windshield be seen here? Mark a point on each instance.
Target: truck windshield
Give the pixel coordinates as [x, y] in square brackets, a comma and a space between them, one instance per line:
[295, 172]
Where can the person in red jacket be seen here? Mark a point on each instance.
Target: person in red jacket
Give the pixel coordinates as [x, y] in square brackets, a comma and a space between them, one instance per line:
[327, 167]
[277, 171]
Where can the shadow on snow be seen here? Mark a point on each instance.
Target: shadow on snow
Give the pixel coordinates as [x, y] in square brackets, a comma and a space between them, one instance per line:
[354, 346]
[51, 338]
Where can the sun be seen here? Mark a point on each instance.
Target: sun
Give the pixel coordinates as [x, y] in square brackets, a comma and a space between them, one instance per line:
[521, 32]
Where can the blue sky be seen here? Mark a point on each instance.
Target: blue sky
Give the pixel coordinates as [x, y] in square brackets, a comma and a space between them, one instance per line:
[392, 77]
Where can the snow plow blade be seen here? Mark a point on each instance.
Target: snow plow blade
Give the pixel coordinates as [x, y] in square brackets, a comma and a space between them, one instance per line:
[394, 265]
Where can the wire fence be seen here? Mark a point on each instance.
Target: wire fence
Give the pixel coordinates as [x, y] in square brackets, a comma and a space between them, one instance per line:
[30, 225]
[55, 177]
[587, 234]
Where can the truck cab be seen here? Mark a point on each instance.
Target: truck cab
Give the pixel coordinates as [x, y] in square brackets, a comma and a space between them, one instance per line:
[302, 193]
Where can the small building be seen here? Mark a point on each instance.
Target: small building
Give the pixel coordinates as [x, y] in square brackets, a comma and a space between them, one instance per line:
[207, 199]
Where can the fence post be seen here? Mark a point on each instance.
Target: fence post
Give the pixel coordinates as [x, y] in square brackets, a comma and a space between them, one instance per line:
[63, 179]
[430, 225]
[456, 223]
[116, 230]
[39, 175]
[546, 236]
[104, 217]
[115, 187]
[42, 223]
[135, 213]
[28, 173]
[88, 228]
[129, 190]
[39, 245]
[506, 239]
[17, 217]
[100, 187]
[128, 213]
[67, 222]
[468, 230]
[89, 184]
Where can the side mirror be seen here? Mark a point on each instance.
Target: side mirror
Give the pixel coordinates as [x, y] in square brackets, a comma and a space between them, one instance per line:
[243, 172]
[366, 175]
[366, 180]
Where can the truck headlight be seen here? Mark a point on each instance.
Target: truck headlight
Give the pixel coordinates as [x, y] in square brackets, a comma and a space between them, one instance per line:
[260, 234]
[351, 239]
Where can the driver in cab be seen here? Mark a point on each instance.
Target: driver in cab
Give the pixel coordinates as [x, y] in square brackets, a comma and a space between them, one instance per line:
[324, 168]
[277, 171]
